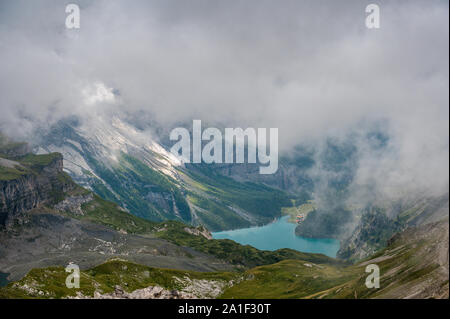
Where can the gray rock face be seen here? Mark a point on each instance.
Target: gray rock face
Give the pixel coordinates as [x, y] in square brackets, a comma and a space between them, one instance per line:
[31, 190]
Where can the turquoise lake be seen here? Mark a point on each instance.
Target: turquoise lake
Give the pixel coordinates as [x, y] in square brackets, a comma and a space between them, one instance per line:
[280, 234]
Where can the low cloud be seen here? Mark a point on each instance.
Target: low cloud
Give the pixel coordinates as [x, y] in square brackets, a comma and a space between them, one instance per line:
[310, 68]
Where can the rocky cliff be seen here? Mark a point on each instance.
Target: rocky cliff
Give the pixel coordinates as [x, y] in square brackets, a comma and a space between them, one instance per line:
[371, 234]
[377, 225]
[29, 181]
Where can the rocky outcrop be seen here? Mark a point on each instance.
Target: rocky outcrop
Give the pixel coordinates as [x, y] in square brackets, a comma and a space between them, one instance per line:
[32, 189]
[199, 231]
[73, 204]
[191, 289]
[151, 292]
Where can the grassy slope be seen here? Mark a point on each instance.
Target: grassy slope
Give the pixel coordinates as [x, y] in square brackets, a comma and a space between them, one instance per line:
[100, 211]
[288, 279]
[29, 164]
[8, 173]
[414, 265]
[50, 282]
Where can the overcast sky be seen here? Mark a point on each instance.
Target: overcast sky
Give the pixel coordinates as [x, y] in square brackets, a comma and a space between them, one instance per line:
[310, 68]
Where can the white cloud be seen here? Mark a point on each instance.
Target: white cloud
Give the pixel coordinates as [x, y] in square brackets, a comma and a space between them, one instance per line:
[98, 93]
[310, 68]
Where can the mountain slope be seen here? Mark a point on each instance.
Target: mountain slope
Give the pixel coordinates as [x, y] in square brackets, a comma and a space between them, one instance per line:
[414, 265]
[125, 165]
[117, 163]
